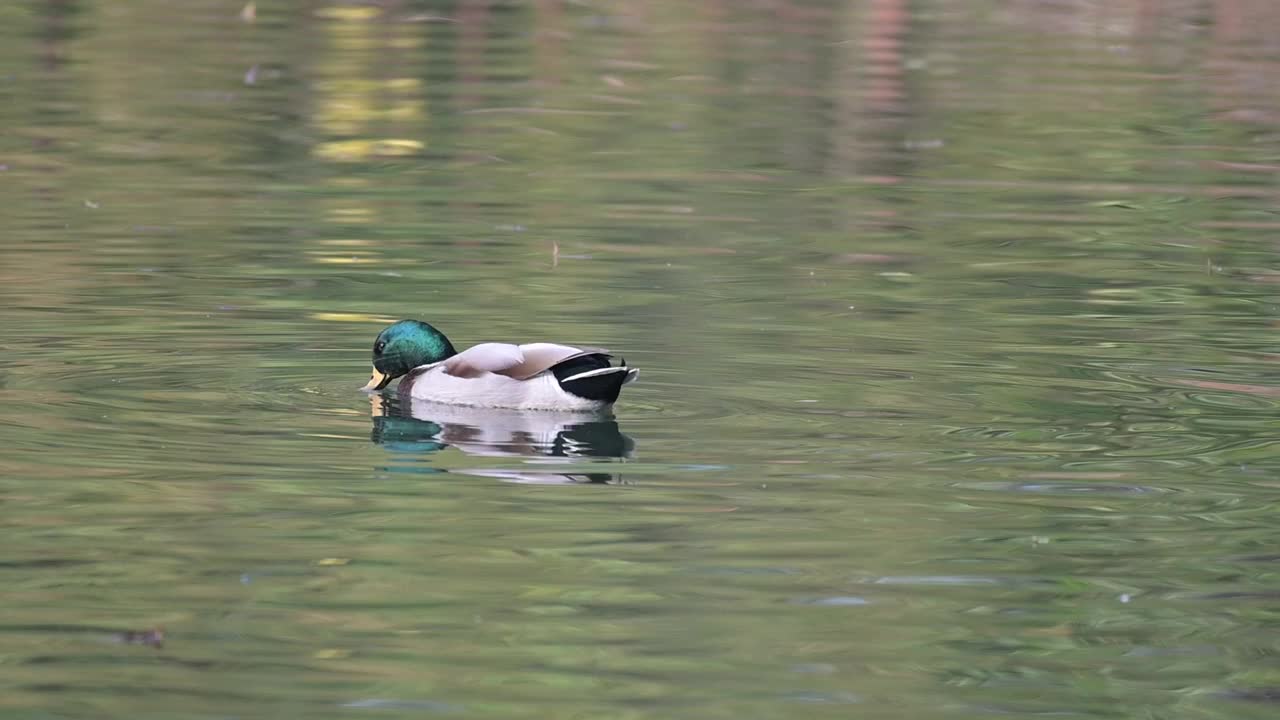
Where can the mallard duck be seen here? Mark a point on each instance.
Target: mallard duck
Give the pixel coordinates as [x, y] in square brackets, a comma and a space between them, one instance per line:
[534, 376]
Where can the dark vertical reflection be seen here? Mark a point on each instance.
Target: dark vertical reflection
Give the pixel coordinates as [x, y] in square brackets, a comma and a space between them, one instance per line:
[550, 38]
[473, 35]
[50, 104]
[56, 22]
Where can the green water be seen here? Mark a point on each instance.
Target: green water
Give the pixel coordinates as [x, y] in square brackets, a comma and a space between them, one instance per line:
[956, 325]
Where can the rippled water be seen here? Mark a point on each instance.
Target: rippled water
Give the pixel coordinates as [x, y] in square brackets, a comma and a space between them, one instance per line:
[956, 325]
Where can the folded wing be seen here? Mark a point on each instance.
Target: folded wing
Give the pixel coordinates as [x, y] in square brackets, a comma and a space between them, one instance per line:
[516, 361]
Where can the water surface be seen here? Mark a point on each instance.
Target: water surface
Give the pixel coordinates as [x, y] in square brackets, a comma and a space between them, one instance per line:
[956, 322]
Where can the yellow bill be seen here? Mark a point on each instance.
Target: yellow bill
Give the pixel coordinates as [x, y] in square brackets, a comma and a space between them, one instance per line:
[377, 381]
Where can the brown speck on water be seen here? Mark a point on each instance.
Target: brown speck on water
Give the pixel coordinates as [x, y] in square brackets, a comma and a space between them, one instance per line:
[151, 638]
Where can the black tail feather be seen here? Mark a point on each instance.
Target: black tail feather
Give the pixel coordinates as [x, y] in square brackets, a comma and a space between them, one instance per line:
[602, 387]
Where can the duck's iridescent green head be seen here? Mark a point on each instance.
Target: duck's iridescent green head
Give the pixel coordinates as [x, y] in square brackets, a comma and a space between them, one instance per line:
[404, 346]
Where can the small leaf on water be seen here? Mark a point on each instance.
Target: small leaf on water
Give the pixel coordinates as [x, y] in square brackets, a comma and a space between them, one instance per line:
[331, 562]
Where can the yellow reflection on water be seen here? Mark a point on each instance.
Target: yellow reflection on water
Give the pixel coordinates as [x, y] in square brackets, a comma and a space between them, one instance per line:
[350, 317]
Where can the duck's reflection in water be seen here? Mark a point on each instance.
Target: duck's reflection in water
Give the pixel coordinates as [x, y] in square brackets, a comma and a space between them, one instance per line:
[557, 438]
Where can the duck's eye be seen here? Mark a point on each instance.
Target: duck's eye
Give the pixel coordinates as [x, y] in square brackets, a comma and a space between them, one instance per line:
[379, 347]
